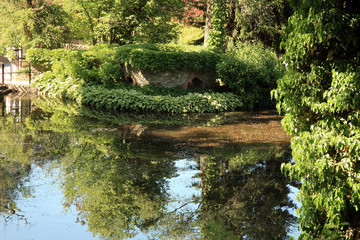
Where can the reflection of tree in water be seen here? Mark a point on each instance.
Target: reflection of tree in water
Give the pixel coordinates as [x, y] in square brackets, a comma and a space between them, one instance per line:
[120, 187]
[14, 164]
[21, 147]
[245, 196]
[115, 192]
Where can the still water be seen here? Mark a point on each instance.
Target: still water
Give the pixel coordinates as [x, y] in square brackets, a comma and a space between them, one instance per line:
[69, 172]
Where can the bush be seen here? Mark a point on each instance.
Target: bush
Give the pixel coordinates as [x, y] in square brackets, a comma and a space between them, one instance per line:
[137, 98]
[44, 58]
[104, 64]
[159, 57]
[96, 65]
[251, 71]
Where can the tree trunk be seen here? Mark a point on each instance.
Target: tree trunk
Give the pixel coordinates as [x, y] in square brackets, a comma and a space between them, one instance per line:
[208, 25]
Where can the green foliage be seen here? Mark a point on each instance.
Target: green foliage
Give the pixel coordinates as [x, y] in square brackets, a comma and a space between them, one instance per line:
[190, 35]
[102, 63]
[257, 21]
[27, 24]
[72, 108]
[123, 21]
[97, 65]
[251, 71]
[45, 58]
[320, 97]
[219, 10]
[158, 57]
[74, 71]
[134, 99]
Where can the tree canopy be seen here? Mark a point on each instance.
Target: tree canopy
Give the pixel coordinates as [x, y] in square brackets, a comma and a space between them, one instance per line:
[51, 24]
[32, 24]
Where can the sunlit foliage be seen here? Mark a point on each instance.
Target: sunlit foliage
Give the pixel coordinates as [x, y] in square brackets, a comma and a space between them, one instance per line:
[320, 97]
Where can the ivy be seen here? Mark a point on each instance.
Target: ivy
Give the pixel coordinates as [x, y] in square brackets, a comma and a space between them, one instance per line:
[134, 99]
[218, 21]
[159, 57]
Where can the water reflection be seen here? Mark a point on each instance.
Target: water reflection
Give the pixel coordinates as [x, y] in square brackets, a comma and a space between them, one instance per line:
[153, 178]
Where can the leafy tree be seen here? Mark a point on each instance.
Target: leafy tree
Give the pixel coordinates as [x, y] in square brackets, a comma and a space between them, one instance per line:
[124, 21]
[31, 24]
[321, 100]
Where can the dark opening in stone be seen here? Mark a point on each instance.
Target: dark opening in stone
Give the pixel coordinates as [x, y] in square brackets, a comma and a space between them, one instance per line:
[130, 80]
[194, 83]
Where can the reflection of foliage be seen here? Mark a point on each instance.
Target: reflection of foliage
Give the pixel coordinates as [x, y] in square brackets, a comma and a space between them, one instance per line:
[246, 196]
[20, 147]
[14, 163]
[118, 182]
[116, 193]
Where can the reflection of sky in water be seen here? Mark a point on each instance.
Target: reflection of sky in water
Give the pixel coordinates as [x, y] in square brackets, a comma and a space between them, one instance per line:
[44, 212]
[294, 231]
[181, 189]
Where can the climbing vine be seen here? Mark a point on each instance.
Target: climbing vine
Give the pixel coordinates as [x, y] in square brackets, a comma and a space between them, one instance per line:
[218, 21]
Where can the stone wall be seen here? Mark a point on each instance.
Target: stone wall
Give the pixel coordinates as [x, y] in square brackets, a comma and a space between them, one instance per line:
[180, 78]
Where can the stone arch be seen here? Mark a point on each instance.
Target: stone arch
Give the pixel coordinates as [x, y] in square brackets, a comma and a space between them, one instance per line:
[194, 82]
[131, 80]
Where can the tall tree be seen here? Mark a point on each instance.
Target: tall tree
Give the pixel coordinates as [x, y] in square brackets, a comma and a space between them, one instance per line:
[320, 95]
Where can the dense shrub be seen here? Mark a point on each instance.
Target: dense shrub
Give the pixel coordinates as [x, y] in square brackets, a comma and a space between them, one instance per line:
[158, 57]
[44, 58]
[96, 65]
[136, 99]
[251, 71]
[320, 96]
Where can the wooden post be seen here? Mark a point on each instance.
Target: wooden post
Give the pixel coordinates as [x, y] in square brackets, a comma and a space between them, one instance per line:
[3, 73]
[29, 73]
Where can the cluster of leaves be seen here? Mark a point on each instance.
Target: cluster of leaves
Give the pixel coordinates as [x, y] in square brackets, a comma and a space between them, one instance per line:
[73, 70]
[96, 65]
[72, 108]
[123, 21]
[51, 24]
[44, 58]
[251, 71]
[320, 97]
[107, 60]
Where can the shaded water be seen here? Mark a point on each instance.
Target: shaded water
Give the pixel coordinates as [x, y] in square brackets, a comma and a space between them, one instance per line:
[68, 172]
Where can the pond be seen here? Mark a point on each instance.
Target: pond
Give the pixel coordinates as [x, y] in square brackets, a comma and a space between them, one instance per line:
[70, 172]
